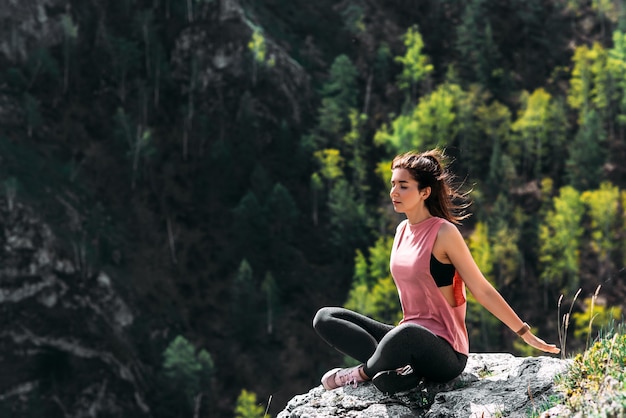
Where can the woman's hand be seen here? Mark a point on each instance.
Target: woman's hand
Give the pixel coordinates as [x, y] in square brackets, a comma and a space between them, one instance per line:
[534, 341]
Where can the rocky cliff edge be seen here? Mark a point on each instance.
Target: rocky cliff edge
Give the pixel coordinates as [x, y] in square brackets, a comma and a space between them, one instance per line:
[492, 385]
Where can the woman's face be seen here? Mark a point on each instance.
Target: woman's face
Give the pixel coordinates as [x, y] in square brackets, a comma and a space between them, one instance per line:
[405, 195]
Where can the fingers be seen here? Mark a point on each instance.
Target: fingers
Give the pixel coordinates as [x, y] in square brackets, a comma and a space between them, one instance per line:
[551, 349]
[540, 344]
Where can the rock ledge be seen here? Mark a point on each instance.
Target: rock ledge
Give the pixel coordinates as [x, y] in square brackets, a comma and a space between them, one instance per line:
[492, 385]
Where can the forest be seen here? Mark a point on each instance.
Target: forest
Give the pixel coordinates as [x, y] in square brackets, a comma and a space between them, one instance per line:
[227, 163]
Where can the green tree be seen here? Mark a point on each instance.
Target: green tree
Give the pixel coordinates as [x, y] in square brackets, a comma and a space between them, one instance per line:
[355, 144]
[282, 212]
[480, 247]
[623, 225]
[331, 165]
[533, 130]
[378, 259]
[187, 369]
[361, 268]
[616, 66]
[339, 97]
[494, 121]
[251, 226]
[560, 236]
[431, 123]
[480, 322]
[317, 186]
[244, 301]
[479, 56]
[373, 291]
[401, 135]
[349, 220]
[436, 117]
[380, 301]
[270, 288]
[594, 317]
[501, 173]
[382, 61]
[415, 65]
[603, 205]
[579, 93]
[247, 406]
[507, 254]
[587, 154]
[353, 14]
[591, 87]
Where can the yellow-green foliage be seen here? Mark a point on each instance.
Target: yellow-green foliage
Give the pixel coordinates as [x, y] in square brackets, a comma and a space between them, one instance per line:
[373, 291]
[383, 169]
[331, 163]
[380, 302]
[597, 377]
[481, 249]
[258, 46]
[416, 65]
[431, 123]
[594, 317]
[247, 406]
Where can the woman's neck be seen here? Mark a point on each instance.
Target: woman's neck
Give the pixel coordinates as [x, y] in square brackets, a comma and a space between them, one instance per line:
[418, 217]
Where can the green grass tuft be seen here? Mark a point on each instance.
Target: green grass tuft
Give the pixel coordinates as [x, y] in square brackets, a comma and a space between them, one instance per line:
[595, 384]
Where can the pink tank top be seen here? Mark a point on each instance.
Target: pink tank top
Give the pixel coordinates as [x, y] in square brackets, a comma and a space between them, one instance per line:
[422, 301]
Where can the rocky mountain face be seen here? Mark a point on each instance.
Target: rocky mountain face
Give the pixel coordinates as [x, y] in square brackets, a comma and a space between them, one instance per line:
[492, 385]
[65, 349]
[69, 336]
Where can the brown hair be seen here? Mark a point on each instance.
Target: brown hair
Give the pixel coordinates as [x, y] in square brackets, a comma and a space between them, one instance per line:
[428, 169]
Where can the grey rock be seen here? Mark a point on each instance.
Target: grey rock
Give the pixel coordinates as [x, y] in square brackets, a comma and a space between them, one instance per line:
[65, 338]
[492, 385]
[28, 25]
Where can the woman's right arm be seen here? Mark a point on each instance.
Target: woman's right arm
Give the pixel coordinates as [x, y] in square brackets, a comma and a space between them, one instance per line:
[459, 255]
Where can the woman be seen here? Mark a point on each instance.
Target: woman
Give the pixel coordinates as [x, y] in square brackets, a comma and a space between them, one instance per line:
[431, 265]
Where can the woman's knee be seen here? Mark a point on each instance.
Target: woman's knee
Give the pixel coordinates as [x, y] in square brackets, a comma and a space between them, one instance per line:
[323, 316]
[411, 332]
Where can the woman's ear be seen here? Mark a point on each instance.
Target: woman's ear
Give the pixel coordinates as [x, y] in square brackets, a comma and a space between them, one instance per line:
[425, 192]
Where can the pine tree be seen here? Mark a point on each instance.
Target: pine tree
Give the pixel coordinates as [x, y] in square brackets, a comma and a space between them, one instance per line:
[560, 242]
[587, 154]
[339, 97]
[415, 65]
[270, 288]
[187, 369]
[533, 131]
[244, 301]
[602, 205]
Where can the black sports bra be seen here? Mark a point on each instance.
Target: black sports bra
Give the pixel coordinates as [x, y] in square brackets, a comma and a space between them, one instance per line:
[442, 273]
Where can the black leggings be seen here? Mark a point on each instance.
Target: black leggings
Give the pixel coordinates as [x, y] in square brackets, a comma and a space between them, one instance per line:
[385, 347]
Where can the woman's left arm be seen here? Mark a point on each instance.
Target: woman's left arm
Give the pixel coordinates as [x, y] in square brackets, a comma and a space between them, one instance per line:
[456, 250]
